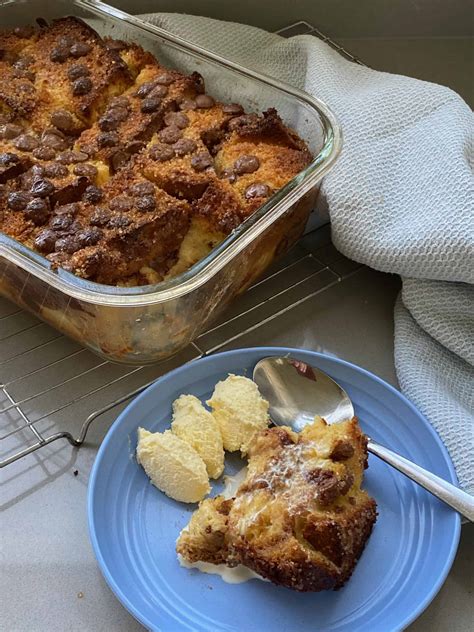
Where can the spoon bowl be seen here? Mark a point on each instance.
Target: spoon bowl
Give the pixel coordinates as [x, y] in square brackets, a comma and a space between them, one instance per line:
[297, 392]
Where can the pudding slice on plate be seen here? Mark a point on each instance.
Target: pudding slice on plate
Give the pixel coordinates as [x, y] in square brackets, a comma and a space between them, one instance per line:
[300, 518]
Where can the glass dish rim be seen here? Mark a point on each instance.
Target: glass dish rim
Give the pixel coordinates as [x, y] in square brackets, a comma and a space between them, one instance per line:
[184, 283]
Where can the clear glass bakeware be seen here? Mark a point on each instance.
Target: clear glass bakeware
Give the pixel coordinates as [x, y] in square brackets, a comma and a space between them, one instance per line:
[141, 325]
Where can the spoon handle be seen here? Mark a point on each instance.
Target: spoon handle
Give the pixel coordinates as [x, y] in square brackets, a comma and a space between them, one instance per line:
[448, 493]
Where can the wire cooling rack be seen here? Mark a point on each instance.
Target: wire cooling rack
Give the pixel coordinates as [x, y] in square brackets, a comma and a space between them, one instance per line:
[50, 385]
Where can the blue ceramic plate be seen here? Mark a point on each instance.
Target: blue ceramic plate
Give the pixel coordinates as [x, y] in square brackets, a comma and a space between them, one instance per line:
[134, 527]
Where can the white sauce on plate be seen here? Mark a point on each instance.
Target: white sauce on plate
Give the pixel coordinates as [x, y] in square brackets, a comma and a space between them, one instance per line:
[232, 483]
[235, 575]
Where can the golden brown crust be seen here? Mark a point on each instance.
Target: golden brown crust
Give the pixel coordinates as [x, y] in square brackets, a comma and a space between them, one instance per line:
[207, 535]
[82, 117]
[300, 518]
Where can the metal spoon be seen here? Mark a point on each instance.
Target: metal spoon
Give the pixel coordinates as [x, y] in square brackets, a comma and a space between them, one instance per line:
[297, 392]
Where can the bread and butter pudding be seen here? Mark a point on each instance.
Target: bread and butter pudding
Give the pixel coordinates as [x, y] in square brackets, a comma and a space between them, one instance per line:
[300, 518]
[122, 171]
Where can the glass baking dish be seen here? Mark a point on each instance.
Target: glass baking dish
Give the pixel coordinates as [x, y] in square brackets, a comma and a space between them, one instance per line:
[140, 325]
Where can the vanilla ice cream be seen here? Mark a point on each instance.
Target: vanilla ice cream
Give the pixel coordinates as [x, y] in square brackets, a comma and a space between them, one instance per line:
[240, 411]
[193, 423]
[173, 465]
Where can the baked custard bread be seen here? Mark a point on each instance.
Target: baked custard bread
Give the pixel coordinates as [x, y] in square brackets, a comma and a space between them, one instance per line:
[300, 519]
[119, 170]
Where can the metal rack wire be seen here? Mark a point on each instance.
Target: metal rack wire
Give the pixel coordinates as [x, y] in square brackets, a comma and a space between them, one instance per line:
[47, 381]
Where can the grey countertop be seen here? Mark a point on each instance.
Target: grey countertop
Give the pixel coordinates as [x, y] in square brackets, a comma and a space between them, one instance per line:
[49, 577]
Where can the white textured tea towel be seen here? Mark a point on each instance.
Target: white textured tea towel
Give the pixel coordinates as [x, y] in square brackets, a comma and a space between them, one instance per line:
[400, 200]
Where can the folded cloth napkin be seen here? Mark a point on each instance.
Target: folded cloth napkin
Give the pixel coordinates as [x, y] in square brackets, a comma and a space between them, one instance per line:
[400, 200]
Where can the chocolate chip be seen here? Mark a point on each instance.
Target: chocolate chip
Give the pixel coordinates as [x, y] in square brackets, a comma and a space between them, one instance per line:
[170, 135]
[51, 130]
[86, 169]
[36, 171]
[326, 484]
[37, 211]
[229, 174]
[204, 101]
[164, 79]
[100, 217]
[67, 209]
[61, 223]
[59, 54]
[62, 119]
[246, 164]
[119, 221]
[7, 159]
[64, 224]
[55, 170]
[144, 89]
[201, 161]
[10, 131]
[119, 113]
[184, 146]
[26, 179]
[17, 200]
[109, 121]
[134, 147]
[345, 484]
[76, 71]
[44, 153]
[121, 203]
[257, 189]
[238, 122]
[45, 241]
[161, 153]
[142, 188]
[198, 81]
[79, 49]
[26, 142]
[108, 139]
[146, 204]
[67, 244]
[150, 104]
[232, 108]
[177, 119]
[81, 86]
[188, 104]
[119, 102]
[53, 141]
[25, 32]
[342, 450]
[42, 187]
[119, 159]
[89, 236]
[92, 194]
[158, 92]
[115, 45]
[70, 157]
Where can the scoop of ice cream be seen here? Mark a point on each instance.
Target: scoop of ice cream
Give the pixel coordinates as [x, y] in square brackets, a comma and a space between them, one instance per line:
[193, 423]
[240, 411]
[172, 465]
